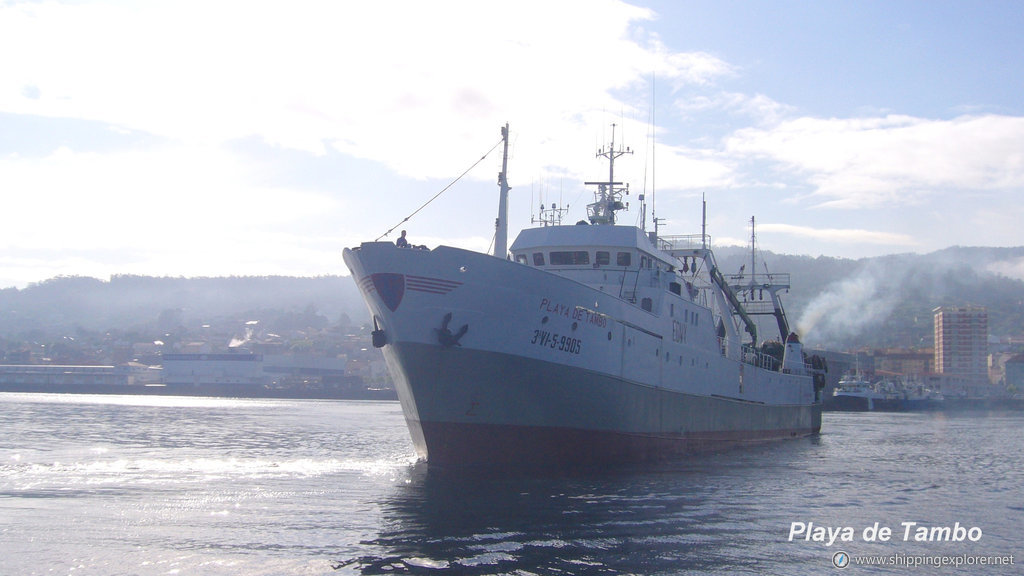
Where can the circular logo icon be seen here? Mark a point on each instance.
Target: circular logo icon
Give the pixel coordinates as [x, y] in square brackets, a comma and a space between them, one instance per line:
[840, 560]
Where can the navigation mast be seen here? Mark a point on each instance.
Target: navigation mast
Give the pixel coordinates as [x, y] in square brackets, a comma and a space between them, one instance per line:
[501, 222]
[608, 197]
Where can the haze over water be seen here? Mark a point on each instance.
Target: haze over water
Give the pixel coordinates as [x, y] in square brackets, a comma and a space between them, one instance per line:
[164, 485]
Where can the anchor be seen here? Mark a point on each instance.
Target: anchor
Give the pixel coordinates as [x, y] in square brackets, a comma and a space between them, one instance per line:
[378, 335]
[445, 336]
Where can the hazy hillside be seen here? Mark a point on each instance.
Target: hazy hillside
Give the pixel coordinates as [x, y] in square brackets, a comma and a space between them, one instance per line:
[834, 302]
[65, 304]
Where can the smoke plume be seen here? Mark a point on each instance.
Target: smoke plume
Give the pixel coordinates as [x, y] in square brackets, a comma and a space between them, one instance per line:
[850, 306]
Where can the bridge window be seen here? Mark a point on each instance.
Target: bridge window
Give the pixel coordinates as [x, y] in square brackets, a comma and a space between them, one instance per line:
[575, 258]
[603, 258]
[521, 258]
[538, 258]
[623, 259]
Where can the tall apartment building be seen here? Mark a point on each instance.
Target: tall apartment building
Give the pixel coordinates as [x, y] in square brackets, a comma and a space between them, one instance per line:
[961, 342]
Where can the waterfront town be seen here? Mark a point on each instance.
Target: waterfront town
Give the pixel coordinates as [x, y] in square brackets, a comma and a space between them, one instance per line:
[240, 359]
[321, 360]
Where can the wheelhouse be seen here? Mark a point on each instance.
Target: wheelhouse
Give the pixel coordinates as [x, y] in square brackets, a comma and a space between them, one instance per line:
[587, 247]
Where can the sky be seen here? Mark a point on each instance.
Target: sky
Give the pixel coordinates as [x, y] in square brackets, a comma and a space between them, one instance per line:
[216, 138]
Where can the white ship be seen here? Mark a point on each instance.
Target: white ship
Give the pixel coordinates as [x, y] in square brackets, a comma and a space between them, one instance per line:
[582, 344]
[856, 394]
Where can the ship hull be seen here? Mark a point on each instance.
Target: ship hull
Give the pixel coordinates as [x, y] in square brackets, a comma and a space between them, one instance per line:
[472, 408]
[846, 403]
[853, 403]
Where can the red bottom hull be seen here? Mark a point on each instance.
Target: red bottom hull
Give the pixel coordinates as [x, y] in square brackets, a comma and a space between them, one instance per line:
[451, 445]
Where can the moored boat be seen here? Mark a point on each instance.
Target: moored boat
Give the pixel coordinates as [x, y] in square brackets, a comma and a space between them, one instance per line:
[854, 393]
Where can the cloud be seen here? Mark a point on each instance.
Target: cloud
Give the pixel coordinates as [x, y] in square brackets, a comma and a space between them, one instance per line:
[416, 88]
[840, 234]
[893, 160]
[163, 210]
[408, 84]
[685, 168]
[758, 107]
[398, 96]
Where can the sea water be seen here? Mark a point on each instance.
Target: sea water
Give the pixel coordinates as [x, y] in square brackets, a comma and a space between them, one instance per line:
[176, 485]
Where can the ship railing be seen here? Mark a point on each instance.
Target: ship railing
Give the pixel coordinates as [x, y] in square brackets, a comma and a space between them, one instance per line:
[684, 242]
[758, 307]
[804, 370]
[755, 357]
[759, 281]
[808, 368]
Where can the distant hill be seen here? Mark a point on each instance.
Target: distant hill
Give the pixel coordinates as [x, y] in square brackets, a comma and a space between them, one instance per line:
[837, 303]
[62, 305]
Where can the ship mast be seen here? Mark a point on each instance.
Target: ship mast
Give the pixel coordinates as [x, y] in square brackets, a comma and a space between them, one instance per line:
[753, 249]
[753, 290]
[608, 197]
[501, 222]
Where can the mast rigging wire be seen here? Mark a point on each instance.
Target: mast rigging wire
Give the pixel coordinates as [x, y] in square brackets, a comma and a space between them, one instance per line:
[443, 190]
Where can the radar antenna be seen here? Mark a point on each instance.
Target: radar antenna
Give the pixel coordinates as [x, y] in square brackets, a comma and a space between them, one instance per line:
[608, 197]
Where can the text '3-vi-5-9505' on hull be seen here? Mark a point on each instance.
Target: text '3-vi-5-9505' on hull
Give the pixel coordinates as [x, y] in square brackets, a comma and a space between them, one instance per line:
[583, 344]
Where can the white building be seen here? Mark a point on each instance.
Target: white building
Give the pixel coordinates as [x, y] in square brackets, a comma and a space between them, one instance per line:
[213, 369]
